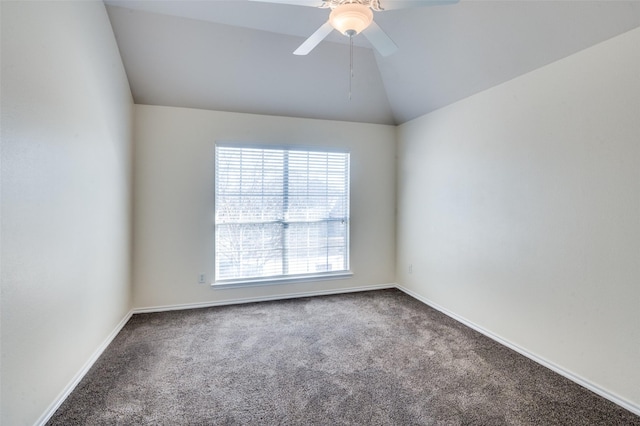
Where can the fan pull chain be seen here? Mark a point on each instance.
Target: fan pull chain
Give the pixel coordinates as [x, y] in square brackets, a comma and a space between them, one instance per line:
[350, 63]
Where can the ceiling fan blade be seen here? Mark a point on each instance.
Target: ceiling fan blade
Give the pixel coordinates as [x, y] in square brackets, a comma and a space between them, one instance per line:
[406, 4]
[379, 39]
[315, 39]
[312, 3]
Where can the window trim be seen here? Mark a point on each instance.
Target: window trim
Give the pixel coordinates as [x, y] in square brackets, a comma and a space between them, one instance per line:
[294, 278]
[282, 279]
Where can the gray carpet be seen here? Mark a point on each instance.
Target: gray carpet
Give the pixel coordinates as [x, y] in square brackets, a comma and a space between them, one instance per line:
[373, 358]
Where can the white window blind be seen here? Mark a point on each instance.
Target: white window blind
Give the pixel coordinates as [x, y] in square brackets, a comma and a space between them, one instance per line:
[280, 213]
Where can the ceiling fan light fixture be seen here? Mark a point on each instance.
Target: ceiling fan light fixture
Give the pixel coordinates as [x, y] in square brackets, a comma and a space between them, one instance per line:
[351, 18]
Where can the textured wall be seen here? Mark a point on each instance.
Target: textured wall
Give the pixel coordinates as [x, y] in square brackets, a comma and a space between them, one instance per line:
[519, 209]
[174, 210]
[66, 190]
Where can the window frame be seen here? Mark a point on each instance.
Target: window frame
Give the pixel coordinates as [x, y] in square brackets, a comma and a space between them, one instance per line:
[290, 278]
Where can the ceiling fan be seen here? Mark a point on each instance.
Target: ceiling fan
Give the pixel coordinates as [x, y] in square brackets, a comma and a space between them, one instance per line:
[351, 17]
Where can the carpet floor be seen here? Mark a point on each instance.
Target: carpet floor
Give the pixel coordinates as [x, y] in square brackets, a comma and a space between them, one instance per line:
[371, 358]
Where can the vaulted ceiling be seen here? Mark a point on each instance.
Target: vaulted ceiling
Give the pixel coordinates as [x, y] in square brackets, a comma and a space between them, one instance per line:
[237, 55]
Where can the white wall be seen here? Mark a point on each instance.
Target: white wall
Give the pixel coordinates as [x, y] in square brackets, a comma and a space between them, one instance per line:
[66, 188]
[519, 209]
[174, 209]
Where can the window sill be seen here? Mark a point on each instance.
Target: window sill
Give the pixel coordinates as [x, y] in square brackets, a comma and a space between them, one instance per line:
[281, 280]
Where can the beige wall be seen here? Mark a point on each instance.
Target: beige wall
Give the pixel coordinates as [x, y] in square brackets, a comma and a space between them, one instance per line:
[66, 143]
[519, 209]
[174, 209]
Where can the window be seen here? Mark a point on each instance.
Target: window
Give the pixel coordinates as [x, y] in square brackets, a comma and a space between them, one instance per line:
[280, 213]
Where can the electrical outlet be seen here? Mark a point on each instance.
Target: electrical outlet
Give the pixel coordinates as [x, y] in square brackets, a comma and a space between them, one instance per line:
[201, 279]
[411, 268]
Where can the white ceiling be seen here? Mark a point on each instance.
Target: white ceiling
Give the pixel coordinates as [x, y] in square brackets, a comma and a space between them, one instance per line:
[237, 55]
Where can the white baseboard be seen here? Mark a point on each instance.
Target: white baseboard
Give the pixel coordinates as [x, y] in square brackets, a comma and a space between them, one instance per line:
[44, 418]
[94, 357]
[261, 298]
[546, 363]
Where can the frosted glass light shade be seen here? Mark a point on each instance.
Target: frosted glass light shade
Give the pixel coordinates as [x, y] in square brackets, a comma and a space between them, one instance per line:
[351, 18]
